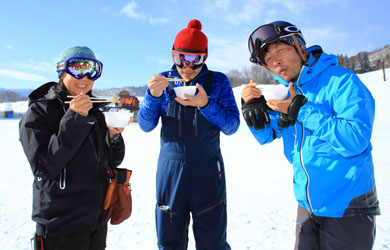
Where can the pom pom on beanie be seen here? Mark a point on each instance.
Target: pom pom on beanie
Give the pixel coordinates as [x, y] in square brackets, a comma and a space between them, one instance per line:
[191, 38]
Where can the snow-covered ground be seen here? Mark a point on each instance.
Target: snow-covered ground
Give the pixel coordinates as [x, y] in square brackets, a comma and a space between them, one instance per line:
[261, 204]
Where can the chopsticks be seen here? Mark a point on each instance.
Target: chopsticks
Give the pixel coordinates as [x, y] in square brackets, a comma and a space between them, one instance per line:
[97, 99]
[174, 79]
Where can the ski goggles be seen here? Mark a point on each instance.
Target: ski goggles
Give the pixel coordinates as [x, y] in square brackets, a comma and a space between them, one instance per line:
[265, 35]
[193, 60]
[80, 67]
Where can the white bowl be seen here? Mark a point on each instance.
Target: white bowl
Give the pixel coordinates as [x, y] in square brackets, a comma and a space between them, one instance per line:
[274, 92]
[117, 119]
[180, 91]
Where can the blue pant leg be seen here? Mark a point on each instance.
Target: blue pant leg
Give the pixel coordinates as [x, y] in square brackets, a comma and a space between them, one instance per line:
[172, 230]
[209, 227]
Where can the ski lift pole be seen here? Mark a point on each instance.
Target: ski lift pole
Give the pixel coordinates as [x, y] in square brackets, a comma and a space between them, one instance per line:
[383, 68]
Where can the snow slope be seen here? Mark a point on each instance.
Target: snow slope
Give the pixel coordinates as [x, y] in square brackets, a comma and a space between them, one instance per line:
[261, 204]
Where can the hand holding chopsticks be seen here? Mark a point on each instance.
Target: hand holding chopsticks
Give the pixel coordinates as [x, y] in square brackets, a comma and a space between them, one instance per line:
[97, 99]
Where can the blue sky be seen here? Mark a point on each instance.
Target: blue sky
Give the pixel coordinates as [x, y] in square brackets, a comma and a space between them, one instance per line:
[134, 38]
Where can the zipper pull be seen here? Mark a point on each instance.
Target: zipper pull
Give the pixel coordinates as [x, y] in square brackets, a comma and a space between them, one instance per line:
[195, 122]
[219, 170]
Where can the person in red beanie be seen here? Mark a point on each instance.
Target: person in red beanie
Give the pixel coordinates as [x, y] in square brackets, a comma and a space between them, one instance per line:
[191, 173]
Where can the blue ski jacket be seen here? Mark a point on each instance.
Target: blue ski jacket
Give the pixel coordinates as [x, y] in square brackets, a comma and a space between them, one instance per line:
[221, 111]
[329, 145]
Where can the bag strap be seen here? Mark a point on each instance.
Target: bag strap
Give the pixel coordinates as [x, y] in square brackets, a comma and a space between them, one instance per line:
[208, 82]
[123, 176]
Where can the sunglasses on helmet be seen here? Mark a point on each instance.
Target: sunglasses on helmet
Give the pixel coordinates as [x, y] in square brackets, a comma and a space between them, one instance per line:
[265, 35]
[79, 68]
[188, 59]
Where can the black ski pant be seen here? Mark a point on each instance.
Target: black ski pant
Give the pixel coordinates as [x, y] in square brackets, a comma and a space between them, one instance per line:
[95, 240]
[327, 233]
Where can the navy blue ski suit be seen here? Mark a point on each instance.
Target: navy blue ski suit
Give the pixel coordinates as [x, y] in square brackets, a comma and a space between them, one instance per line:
[190, 174]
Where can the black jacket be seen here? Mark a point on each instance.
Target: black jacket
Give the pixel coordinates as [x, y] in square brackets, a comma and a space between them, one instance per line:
[69, 155]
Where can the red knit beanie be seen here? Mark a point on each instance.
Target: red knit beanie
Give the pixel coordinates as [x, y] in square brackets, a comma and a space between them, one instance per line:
[191, 38]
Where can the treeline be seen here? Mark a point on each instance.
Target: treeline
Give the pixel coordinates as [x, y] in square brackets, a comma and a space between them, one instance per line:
[134, 91]
[361, 63]
[11, 96]
[255, 72]
[364, 61]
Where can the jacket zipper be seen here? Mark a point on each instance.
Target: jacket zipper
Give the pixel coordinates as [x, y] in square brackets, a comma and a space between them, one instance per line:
[304, 168]
[179, 117]
[196, 122]
[300, 149]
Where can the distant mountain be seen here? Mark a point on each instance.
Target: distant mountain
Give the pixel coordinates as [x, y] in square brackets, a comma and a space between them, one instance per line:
[379, 54]
[22, 92]
[13, 95]
[135, 91]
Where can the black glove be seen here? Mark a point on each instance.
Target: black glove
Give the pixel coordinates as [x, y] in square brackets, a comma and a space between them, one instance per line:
[295, 104]
[284, 122]
[255, 112]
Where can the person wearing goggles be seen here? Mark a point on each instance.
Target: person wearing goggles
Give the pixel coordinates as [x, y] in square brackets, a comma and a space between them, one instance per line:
[69, 148]
[190, 177]
[326, 123]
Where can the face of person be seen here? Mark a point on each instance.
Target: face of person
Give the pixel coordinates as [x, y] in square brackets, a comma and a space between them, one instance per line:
[76, 86]
[188, 73]
[283, 60]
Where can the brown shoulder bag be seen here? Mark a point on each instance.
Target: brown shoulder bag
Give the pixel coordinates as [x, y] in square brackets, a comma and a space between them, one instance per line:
[118, 201]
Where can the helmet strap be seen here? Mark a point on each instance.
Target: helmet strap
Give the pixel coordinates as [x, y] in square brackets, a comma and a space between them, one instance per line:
[303, 56]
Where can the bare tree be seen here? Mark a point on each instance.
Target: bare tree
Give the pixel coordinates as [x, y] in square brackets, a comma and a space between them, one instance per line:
[10, 96]
[235, 77]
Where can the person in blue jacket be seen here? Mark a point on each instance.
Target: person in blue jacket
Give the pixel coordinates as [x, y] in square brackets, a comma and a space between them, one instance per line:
[326, 124]
[190, 176]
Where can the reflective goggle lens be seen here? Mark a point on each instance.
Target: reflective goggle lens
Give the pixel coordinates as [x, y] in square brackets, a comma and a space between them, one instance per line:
[193, 60]
[79, 68]
[263, 33]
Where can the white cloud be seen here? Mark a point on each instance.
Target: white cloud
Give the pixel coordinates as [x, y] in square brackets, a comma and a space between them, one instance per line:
[38, 66]
[158, 20]
[131, 11]
[321, 35]
[223, 4]
[245, 12]
[161, 60]
[22, 75]
[235, 13]
[9, 46]
[226, 55]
